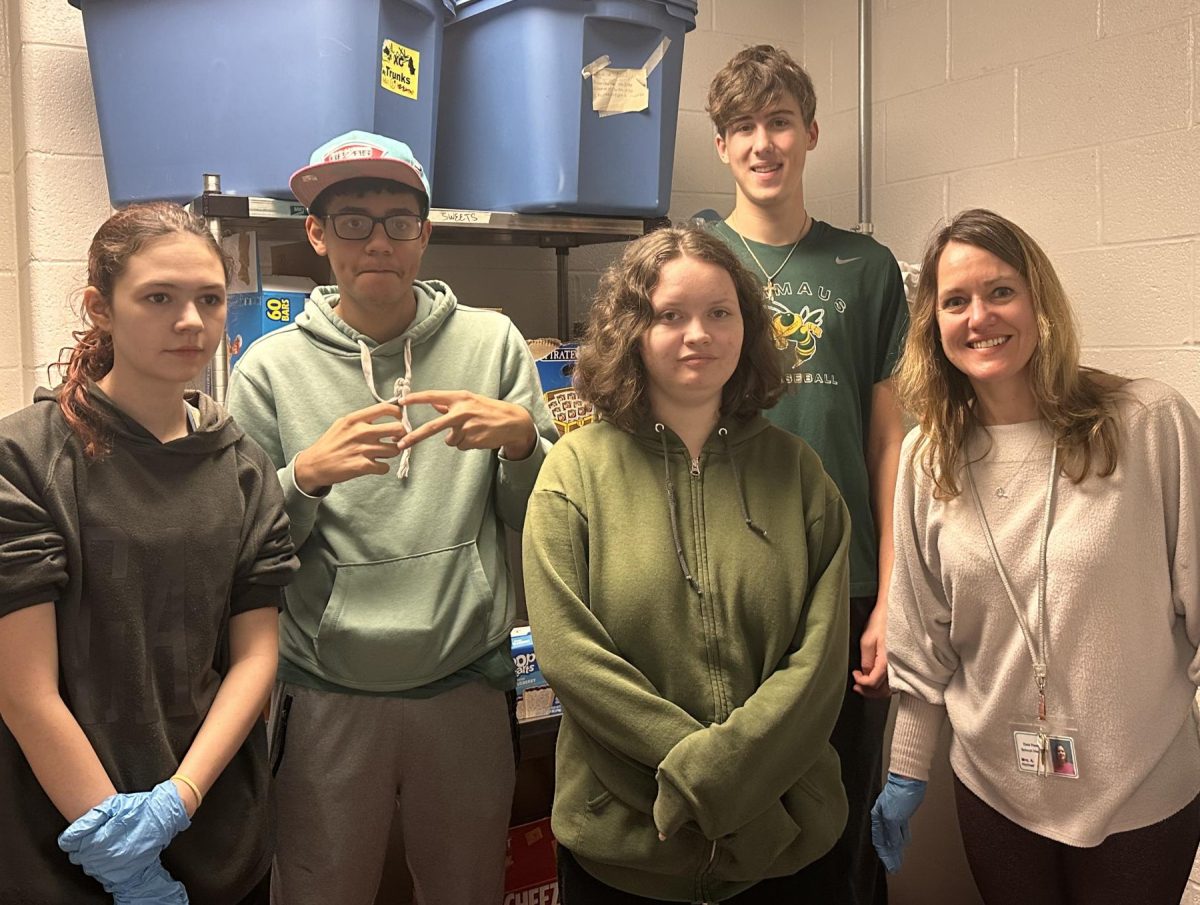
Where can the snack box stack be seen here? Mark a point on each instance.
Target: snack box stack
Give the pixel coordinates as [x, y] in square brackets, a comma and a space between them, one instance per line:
[555, 366]
[535, 699]
[254, 314]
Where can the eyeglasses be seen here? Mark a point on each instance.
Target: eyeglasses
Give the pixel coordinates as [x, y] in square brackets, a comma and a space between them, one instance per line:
[399, 227]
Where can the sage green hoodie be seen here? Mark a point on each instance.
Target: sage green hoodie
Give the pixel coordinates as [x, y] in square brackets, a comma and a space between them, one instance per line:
[697, 707]
[402, 581]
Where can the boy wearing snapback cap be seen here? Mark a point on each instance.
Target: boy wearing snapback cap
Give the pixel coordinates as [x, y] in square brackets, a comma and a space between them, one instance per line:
[407, 430]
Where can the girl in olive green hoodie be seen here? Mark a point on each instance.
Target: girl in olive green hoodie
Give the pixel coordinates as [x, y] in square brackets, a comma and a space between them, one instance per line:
[686, 576]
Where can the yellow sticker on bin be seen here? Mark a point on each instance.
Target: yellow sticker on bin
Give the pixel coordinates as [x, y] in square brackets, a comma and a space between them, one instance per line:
[622, 90]
[399, 69]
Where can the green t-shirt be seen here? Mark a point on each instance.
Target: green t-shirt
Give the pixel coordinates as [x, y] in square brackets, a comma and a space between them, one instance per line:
[839, 307]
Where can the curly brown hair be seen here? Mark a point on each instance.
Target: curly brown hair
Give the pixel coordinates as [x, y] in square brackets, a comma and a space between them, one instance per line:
[610, 373]
[1078, 403]
[753, 80]
[117, 240]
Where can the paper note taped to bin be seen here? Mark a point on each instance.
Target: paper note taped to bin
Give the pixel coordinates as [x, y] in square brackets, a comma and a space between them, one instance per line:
[622, 90]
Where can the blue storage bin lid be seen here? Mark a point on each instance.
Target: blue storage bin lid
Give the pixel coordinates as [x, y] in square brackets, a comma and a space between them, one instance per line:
[449, 4]
[680, 9]
[685, 10]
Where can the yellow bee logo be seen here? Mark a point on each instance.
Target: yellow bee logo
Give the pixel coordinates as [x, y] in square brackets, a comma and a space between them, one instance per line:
[801, 329]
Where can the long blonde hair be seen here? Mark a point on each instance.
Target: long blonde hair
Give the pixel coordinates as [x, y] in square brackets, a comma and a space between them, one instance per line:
[1078, 403]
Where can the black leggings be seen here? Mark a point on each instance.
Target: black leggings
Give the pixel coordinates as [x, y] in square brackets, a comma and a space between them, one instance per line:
[1010, 864]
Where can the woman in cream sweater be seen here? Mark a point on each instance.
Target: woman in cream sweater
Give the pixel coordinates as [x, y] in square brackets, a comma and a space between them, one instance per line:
[1046, 593]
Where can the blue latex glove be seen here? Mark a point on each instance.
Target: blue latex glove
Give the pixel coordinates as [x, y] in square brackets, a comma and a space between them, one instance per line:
[893, 809]
[154, 886]
[121, 837]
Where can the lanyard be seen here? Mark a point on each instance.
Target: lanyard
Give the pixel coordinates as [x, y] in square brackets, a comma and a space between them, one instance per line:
[1037, 653]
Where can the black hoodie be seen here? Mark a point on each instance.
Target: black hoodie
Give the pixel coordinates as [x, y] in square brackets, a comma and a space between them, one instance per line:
[146, 553]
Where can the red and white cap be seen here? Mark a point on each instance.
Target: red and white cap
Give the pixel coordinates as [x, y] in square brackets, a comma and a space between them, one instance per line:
[357, 154]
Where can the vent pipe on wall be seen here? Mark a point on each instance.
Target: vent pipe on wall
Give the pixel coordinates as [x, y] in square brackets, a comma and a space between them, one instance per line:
[864, 119]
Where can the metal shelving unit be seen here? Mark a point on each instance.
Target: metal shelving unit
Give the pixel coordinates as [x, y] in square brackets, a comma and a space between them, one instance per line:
[227, 214]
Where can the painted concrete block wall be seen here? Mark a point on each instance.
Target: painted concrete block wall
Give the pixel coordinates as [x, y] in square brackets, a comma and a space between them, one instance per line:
[1078, 119]
[10, 310]
[59, 192]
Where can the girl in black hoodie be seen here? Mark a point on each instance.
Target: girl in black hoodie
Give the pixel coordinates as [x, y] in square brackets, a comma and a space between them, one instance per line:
[143, 553]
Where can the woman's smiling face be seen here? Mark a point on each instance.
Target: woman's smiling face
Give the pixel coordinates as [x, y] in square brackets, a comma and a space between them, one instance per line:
[986, 321]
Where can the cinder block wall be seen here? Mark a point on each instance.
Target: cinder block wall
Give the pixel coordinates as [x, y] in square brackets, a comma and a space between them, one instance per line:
[56, 189]
[1079, 119]
[10, 310]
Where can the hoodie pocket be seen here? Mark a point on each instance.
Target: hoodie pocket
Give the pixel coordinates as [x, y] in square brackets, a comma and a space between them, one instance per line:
[399, 623]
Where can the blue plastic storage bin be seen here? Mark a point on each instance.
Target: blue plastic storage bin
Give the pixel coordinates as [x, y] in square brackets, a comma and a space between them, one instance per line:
[516, 126]
[248, 88]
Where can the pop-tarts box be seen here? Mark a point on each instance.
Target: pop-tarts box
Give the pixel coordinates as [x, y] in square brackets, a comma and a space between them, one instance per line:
[253, 314]
[555, 371]
[535, 699]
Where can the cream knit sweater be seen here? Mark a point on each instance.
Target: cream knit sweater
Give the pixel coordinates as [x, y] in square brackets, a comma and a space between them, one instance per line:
[1123, 608]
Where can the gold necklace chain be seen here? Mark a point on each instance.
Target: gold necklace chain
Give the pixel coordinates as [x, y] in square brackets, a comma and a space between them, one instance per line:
[1001, 491]
[771, 288]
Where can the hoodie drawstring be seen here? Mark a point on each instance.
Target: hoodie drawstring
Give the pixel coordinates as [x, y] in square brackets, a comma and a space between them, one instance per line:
[660, 429]
[662, 436]
[400, 391]
[737, 482]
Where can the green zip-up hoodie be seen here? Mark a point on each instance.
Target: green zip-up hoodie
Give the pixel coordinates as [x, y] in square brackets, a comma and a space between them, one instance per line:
[402, 581]
[701, 709]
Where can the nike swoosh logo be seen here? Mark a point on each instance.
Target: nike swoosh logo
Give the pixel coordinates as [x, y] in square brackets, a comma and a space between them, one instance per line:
[846, 260]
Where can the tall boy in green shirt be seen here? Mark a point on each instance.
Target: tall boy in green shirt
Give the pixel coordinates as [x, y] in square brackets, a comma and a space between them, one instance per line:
[839, 314]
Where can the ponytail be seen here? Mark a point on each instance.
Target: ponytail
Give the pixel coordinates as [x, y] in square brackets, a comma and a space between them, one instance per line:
[86, 362]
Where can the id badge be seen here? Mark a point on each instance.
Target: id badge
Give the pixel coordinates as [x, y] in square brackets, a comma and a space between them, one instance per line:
[1046, 748]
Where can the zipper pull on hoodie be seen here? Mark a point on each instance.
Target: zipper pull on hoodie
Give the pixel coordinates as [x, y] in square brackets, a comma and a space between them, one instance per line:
[660, 429]
[400, 391]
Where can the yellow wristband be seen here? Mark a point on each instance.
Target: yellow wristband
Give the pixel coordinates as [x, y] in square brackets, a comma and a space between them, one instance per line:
[191, 785]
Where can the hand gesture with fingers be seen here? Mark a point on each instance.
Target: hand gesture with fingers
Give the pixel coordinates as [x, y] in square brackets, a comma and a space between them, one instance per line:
[352, 446]
[474, 422]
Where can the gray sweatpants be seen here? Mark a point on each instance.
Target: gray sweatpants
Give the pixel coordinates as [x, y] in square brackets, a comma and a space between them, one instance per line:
[348, 764]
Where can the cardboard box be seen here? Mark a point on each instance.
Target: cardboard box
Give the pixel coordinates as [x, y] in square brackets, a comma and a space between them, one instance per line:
[530, 869]
[535, 698]
[555, 370]
[271, 281]
[253, 314]
[256, 255]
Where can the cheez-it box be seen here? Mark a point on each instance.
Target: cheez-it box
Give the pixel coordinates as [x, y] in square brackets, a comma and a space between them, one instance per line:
[530, 870]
